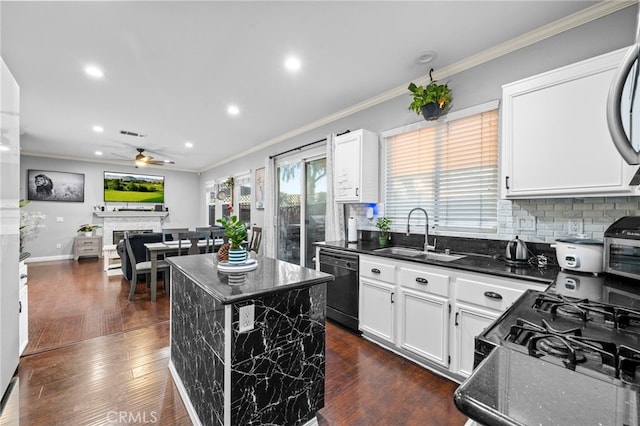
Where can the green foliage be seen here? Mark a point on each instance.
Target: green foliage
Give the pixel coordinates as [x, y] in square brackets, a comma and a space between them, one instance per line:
[383, 224]
[433, 92]
[88, 228]
[234, 229]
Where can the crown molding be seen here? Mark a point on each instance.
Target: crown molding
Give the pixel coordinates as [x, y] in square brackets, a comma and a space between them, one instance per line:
[577, 19]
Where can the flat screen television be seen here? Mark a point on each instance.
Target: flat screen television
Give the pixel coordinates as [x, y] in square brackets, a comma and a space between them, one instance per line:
[133, 188]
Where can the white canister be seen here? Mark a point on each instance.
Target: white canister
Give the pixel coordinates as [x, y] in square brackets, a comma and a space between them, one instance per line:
[352, 230]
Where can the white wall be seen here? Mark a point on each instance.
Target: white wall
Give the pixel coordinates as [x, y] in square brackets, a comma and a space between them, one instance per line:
[472, 87]
[181, 198]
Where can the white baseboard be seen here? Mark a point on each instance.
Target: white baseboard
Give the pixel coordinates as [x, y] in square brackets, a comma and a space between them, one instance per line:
[49, 258]
[184, 395]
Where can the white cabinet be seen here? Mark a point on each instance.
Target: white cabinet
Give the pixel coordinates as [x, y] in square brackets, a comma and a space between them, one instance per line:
[356, 167]
[555, 139]
[377, 298]
[480, 299]
[470, 321]
[23, 311]
[424, 313]
[377, 309]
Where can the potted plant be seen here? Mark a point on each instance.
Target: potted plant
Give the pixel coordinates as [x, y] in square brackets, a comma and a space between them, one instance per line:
[236, 232]
[384, 225]
[430, 100]
[30, 223]
[88, 229]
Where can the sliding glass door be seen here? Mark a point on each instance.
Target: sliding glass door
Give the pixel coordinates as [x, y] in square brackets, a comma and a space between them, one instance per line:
[301, 197]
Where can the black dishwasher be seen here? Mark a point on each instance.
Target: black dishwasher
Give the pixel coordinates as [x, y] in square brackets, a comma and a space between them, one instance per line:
[342, 293]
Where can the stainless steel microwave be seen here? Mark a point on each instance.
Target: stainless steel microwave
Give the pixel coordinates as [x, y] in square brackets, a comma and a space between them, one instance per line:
[622, 247]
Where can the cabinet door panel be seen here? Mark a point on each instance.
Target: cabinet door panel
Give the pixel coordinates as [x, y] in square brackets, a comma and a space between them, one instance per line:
[376, 309]
[347, 173]
[424, 327]
[470, 323]
[555, 136]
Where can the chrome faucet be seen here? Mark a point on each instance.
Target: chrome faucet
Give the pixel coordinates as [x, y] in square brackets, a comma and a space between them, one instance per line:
[427, 247]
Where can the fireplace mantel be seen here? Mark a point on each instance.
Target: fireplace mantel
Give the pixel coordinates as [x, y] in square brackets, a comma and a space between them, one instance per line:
[131, 213]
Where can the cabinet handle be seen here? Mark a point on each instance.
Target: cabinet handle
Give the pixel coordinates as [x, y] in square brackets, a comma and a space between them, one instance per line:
[23, 276]
[493, 295]
[375, 270]
[506, 182]
[456, 319]
[19, 307]
[422, 280]
[391, 297]
[357, 192]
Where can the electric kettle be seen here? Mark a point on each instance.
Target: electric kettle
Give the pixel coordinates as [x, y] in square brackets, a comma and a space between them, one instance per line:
[517, 252]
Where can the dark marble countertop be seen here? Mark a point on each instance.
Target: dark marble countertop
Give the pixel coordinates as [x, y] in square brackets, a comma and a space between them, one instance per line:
[511, 388]
[493, 265]
[271, 276]
[24, 255]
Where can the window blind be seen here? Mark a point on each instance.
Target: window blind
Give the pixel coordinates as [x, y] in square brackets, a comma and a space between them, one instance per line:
[450, 170]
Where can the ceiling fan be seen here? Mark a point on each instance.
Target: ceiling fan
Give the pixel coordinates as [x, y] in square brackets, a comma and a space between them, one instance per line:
[141, 159]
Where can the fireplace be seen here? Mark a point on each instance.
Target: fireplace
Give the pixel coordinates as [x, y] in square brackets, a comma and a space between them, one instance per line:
[139, 221]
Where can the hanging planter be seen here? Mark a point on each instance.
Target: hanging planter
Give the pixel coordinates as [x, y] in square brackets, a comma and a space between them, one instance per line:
[431, 100]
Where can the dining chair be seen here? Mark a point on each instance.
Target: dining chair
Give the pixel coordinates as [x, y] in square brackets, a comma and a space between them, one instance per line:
[194, 238]
[256, 239]
[143, 267]
[173, 232]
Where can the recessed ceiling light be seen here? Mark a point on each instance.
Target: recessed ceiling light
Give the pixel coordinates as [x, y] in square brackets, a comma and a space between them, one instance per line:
[94, 72]
[98, 129]
[98, 153]
[426, 57]
[167, 161]
[292, 63]
[188, 144]
[233, 110]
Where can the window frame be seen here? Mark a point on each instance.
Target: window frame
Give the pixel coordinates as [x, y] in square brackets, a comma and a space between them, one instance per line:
[386, 137]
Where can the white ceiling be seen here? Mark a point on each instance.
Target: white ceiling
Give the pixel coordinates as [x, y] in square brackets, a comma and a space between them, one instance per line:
[172, 67]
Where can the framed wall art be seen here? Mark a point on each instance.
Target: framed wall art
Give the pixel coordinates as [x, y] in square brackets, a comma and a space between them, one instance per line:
[45, 185]
[259, 188]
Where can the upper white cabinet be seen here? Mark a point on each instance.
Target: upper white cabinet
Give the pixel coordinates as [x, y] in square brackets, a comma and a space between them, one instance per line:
[356, 167]
[555, 140]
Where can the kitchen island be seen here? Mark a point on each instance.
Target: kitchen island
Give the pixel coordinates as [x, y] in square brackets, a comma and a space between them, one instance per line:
[270, 373]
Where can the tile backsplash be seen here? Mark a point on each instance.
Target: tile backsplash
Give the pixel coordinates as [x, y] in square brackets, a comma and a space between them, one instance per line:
[538, 220]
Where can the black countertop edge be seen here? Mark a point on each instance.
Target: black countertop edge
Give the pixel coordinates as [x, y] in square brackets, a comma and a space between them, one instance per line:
[270, 277]
[24, 255]
[473, 263]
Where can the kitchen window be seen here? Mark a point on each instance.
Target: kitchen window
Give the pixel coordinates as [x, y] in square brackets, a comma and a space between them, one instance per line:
[449, 168]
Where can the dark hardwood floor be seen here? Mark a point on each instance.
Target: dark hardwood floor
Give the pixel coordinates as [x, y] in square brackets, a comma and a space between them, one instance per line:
[95, 358]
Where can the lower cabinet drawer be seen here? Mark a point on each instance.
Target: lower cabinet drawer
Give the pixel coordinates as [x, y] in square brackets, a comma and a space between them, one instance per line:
[88, 250]
[377, 270]
[425, 281]
[488, 295]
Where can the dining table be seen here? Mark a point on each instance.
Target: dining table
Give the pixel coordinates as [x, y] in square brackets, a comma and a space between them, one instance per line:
[160, 248]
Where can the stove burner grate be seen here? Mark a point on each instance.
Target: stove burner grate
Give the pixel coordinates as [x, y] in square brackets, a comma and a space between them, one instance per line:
[574, 349]
[587, 311]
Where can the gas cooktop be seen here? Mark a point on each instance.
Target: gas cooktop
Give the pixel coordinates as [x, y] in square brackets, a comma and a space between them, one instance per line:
[584, 330]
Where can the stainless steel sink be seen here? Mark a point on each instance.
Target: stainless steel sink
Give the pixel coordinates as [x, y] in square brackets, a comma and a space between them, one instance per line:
[418, 254]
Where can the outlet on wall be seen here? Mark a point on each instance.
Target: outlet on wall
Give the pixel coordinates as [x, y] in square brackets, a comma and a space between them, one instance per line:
[575, 226]
[58, 245]
[247, 316]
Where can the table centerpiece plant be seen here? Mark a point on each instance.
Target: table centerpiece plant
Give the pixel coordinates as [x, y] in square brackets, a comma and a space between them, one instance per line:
[236, 232]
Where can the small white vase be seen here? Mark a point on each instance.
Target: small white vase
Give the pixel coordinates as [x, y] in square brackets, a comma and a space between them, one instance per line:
[237, 256]
[88, 234]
